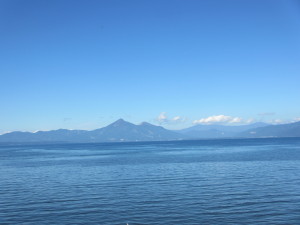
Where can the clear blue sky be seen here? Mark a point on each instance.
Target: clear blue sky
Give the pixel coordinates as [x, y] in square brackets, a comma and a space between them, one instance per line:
[83, 64]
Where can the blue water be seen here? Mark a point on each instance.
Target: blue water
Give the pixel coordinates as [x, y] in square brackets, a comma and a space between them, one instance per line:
[255, 181]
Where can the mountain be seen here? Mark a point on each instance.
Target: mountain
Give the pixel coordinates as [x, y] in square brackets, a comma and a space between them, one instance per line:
[61, 135]
[282, 130]
[124, 131]
[217, 131]
[120, 130]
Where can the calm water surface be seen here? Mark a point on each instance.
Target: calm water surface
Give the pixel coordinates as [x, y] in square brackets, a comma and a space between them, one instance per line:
[188, 182]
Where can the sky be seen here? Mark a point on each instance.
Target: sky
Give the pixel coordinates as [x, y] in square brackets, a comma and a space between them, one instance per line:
[78, 64]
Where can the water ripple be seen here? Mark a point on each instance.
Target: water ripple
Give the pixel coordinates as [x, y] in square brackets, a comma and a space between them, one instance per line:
[197, 182]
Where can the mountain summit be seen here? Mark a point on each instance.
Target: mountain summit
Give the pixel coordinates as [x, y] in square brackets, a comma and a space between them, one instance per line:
[119, 122]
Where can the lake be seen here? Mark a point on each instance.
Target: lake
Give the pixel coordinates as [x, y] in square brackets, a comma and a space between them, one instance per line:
[242, 181]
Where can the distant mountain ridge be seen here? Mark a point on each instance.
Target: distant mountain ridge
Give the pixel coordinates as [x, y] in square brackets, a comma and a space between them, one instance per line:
[282, 130]
[122, 130]
[218, 131]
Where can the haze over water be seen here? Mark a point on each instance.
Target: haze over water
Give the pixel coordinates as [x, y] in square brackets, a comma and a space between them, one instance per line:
[254, 181]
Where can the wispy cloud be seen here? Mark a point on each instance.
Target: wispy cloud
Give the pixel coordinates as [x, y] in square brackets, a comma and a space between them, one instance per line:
[251, 120]
[66, 119]
[162, 118]
[283, 121]
[267, 114]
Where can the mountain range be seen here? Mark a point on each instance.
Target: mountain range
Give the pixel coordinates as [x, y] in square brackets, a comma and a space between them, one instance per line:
[122, 130]
[218, 131]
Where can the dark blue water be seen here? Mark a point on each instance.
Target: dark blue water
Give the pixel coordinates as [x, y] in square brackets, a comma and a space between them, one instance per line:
[189, 182]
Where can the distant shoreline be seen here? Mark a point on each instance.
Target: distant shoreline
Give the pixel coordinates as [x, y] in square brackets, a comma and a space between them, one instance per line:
[139, 142]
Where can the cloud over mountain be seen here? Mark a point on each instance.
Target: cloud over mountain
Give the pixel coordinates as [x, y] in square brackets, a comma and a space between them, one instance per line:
[218, 119]
[162, 118]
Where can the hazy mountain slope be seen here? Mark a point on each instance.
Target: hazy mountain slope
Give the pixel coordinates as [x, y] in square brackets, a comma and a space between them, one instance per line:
[217, 131]
[61, 135]
[283, 130]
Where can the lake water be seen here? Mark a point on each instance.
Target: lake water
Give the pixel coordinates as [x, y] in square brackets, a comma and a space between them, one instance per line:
[254, 181]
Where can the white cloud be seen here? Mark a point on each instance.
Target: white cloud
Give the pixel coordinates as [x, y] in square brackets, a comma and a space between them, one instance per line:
[236, 120]
[162, 117]
[218, 119]
[276, 121]
[177, 118]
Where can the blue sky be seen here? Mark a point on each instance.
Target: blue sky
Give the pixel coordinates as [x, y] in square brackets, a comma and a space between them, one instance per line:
[83, 64]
